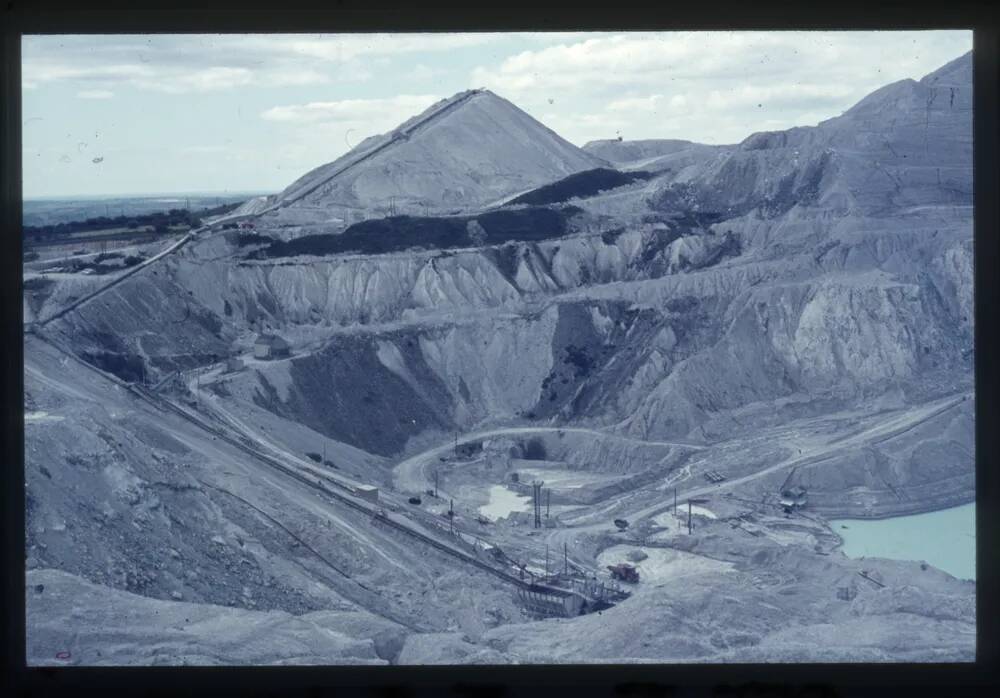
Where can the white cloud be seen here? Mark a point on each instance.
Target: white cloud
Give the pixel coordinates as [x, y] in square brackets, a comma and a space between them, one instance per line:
[394, 109]
[318, 132]
[776, 96]
[207, 80]
[95, 94]
[344, 47]
[659, 59]
[647, 103]
[201, 149]
[691, 85]
[714, 87]
[422, 72]
[204, 63]
[611, 60]
[50, 70]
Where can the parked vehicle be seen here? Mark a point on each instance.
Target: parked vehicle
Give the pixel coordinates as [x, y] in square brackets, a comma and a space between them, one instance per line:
[414, 500]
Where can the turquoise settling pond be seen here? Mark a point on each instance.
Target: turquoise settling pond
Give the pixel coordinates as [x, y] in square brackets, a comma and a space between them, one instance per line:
[945, 539]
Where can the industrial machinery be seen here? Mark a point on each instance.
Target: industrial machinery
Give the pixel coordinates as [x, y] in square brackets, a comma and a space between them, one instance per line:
[624, 572]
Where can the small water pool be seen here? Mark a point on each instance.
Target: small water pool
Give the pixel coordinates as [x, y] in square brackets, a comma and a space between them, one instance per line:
[503, 502]
[945, 539]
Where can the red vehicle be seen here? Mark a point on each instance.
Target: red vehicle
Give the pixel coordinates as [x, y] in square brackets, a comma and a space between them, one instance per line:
[625, 572]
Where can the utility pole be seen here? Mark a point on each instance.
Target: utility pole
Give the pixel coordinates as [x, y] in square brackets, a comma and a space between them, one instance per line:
[536, 489]
[451, 515]
[456, 443]
[548, 502]
[435, 483]
[675, 501]
[534, 503]
[689, 517]
[565, 560]
[546, 559]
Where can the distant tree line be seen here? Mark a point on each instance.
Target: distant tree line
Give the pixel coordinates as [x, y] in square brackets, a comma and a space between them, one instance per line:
[160, 221]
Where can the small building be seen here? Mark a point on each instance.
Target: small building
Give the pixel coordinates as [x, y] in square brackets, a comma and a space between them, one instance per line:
[847, 593]
[270, 346]
[234, 363]
[367, 492]
[469, 449]
[545, 602]
[794, 498]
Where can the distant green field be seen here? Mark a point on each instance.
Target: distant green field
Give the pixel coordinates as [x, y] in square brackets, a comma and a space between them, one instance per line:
[144, 232]
[83, 234]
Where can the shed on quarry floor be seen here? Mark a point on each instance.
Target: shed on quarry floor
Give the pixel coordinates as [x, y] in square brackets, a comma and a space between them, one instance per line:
[543, 602]
[369, 492]
[270, 346]
[794, 498]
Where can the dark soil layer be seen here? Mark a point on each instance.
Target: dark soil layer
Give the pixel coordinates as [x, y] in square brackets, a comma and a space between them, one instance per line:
[579, 185]
[398, 233]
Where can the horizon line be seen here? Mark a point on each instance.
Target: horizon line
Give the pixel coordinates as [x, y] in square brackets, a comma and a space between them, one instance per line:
[145, 195]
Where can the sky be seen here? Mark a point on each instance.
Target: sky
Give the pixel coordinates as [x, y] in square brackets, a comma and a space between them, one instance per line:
[116, 115]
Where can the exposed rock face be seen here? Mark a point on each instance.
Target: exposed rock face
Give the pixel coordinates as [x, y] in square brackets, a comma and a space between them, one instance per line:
[800, 274]
[137, 500]
[906, 145]
[834, 268]
[829, 262]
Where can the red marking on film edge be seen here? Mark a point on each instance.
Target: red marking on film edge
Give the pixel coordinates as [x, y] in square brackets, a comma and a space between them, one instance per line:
[62, 655]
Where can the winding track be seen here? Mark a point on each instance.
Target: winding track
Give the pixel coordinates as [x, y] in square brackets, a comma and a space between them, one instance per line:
[409, 475]
[185, 239]
[373, 512]
[892, 427]
[399, 135]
